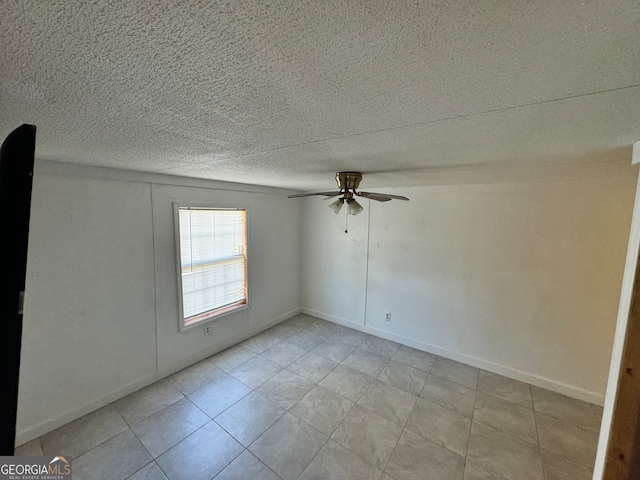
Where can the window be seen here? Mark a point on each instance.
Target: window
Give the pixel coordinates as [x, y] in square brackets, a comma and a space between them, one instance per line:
[212, 277]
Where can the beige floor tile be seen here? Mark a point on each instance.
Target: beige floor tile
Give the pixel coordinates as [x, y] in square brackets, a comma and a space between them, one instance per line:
[365, 362]
[559, 468]
[285, 388]
[313, 367]
[248, 418]
[306, 339]
[368, 435]
[565, 408]
[455, 372]
[247, 467]
[380, 346]
[200, 456]
[322, 409]
[349, 383]
[255, 372]
[85, 433]
[30, 449]
[145, 402]
[115, 459]
[232, 357]
[219, 395]
[440, 425]
[388, 402]
[162, 430]
[341, 329]
[192, 378]
[416, 458]
[567, 440]
[449, 394]
[506, 416]
[333, 349]
[288, 446]
[149, 472]
[283, 354]
[415, 358]
[473, 471]
[597, 411]
[504, 454]
[284, 330]
[403, 376]
[261, 342]
[302, 320]
[323, 327]
[337, 463]
[505, 388]
[351, 337]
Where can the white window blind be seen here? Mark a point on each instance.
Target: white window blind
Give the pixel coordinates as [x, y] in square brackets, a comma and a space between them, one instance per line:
[212, 259]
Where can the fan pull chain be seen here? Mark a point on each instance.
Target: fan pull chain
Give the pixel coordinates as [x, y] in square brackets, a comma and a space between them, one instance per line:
[346, 221]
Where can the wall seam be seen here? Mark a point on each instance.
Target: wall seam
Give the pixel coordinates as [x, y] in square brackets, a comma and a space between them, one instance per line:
[155, 280]
[366, 265]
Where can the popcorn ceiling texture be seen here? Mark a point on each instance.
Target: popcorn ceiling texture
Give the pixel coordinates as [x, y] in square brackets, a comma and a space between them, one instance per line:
[286, 93]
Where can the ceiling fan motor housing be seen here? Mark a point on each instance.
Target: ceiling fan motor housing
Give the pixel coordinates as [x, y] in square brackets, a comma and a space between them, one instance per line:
[348, 180]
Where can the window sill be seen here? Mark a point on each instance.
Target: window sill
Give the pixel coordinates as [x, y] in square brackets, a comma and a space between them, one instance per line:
[210, 317]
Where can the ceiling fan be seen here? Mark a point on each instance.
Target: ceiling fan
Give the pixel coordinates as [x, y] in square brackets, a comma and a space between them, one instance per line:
[348, 182]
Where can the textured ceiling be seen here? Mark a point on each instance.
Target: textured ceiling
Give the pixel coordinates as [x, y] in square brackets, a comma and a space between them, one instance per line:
[286, 93]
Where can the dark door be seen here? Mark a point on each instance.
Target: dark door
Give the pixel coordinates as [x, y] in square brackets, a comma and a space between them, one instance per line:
[623, 450]
[16, 174]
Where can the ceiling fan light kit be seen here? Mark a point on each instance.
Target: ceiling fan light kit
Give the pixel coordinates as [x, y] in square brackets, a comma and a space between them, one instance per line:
[348, 182]
[337, 205]
[353, 207]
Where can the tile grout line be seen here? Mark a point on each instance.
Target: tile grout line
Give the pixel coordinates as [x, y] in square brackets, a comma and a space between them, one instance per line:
[153, 459]
[473, 411]
[535, 419]
[142, 468]
[386, 464]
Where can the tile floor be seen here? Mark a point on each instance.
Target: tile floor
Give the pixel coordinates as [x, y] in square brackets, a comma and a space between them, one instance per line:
[310, 399]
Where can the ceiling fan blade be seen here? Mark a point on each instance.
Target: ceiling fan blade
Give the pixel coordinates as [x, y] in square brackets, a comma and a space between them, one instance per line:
[326, 194]
[373, 196]
[381, 197]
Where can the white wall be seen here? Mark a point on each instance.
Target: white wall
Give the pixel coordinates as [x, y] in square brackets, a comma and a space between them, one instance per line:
[101, 298]
[522, 279]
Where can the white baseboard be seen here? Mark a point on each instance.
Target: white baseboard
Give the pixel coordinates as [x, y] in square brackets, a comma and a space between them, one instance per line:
[531, 378]
[334, 319]
[275, 321]
[27, 434]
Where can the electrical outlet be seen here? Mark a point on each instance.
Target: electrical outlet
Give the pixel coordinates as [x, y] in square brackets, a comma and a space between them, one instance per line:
[387, 317]
[207, 329]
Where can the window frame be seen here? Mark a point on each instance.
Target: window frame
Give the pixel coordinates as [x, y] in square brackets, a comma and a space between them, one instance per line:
[211, 315]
